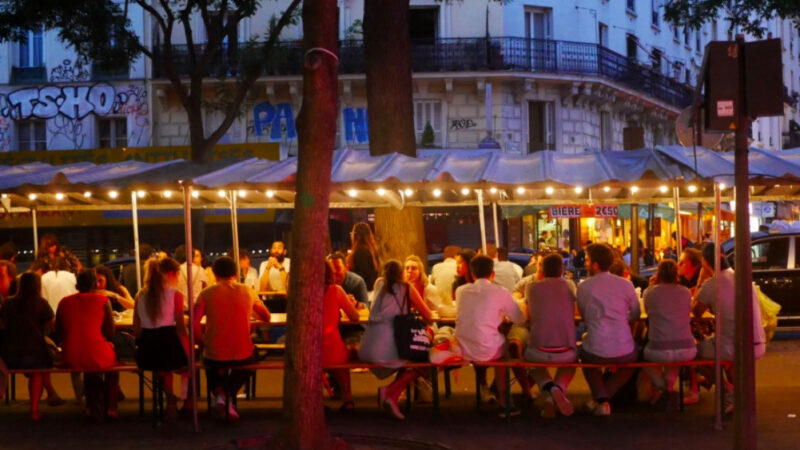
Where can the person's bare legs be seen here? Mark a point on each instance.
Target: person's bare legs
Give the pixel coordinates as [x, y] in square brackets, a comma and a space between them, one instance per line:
[35, 392]
[172, 401]
[77, 386]
[342, 377]
[53, 399]
[112, 391]
[388, 395]
[502, 385]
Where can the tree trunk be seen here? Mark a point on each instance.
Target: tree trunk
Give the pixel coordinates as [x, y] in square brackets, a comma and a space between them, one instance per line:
[387, 46]
[304, 421]
[397, 244]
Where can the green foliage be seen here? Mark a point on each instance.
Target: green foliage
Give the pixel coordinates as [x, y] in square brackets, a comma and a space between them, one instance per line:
[355, 30]
[749, 16]
[428, 137]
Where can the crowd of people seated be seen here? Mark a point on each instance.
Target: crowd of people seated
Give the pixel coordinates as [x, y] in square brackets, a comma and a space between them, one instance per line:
[500, 310]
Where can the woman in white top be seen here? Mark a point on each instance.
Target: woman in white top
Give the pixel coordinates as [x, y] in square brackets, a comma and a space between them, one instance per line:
[159, 326]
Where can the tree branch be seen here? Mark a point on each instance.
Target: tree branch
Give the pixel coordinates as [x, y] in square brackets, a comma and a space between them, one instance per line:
[158, 18]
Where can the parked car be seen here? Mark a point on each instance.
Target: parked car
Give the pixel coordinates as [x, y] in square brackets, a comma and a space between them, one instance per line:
[775, 263]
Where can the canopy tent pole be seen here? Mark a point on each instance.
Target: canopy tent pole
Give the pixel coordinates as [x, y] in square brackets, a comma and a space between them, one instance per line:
[677, 202]
[187, 214]
[635, 238]
[35, 234]
[496, 231]
[718, 322]
[136, 256]
[235, 232]
[482, 220]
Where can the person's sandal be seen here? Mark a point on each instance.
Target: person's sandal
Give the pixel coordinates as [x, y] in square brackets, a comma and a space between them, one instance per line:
[347, 407]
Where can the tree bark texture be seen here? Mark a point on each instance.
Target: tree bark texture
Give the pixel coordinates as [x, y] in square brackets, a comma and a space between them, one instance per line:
[304, 421]
[400, 233]
[390, 111]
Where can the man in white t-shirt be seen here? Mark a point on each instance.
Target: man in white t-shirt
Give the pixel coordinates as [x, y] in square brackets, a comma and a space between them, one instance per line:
[444, 274]
[481, 308]
[273, 274]
[199, 277]
[705, 300]
[506, 273]
[608, 305]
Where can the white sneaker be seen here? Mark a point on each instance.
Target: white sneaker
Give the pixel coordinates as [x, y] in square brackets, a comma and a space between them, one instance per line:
[602, 409]
[561, 401]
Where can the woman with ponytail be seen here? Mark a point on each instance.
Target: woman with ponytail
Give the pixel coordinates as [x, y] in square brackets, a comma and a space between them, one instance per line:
[159, 326]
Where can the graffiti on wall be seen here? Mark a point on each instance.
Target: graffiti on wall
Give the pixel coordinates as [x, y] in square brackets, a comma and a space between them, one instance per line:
[47, 102]
[69, 72]
[356, 128]
[133, 102]
[64, 129]
[275, 122]
[462, 124]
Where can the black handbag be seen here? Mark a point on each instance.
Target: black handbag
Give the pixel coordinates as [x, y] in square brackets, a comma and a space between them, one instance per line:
[410, 334]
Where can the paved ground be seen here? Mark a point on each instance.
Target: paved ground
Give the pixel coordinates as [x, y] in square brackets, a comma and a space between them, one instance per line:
[459, 427]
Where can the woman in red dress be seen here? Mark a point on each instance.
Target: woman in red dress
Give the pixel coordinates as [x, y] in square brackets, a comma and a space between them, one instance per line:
[333, 349]
[86, 328]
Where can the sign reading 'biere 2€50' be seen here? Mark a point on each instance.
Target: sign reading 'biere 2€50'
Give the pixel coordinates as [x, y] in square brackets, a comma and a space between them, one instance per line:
[582, 211]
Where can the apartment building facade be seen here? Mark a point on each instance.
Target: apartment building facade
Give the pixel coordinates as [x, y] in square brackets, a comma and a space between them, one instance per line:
[521, 76]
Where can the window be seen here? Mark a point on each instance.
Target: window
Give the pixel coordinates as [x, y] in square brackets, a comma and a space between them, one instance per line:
[606, 131]
[655, 56]
[424, 24]
[538, 23]
[428, 112]
[31, 135]
[541, 126]
[772, 254]
[654, 6]
[112, 133]
[689, 77]
[630, 5]
[698, 47]
[675, 34]
[602, 34]
[631, 46]
[714, 30]
[678, 68]
[686, 39]
[30, 53]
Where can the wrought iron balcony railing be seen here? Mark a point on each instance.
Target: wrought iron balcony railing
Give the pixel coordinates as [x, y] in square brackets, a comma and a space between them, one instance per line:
[509, 54]
[100, 73]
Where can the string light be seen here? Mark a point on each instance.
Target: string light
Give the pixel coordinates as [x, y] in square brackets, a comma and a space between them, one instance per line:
[662, 189]
[221, 193]
[578, 189]
[722, 186]
[352, 193]
[140, 194]
[31, 196]
[464, 191]
[381, 191]
[549, 190]
[242, 193]
[167, 194]
[5, 195]
[493, 190]
[606, 189]
[195, 194]
[408, 192]
[437, 192]
[270, 194]
[59, 196]
[87, 194]
[692, 188]
[113, 194]
[520, 190]
[634, 189]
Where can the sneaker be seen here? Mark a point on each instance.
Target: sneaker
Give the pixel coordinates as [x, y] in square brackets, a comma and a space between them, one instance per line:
[512, 412]
[602, 409]
[692, 398]
[548, 409]
[561, 401]
[391, 406]
[727, 402]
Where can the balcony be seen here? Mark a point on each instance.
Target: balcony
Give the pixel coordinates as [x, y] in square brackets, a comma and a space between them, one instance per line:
[100, 73]
[509, 54]
[28, 75]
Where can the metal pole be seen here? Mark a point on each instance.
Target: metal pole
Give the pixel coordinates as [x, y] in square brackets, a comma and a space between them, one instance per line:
[744, 416]
[717, 320]
[482, 220]
[235, 229]
[635, 239]
[35, 234]
[137, 258]
[699, 222]
[676, 193]
[496, 231]
[187, 214]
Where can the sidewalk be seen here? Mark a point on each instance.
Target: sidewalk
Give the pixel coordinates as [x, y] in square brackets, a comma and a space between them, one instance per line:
[459, 427]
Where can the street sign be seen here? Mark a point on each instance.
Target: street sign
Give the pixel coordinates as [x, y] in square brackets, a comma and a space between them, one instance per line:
[582, 211]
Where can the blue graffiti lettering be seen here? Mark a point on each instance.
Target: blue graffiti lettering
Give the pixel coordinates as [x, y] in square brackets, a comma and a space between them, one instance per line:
[355, 122]
[277, 118]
